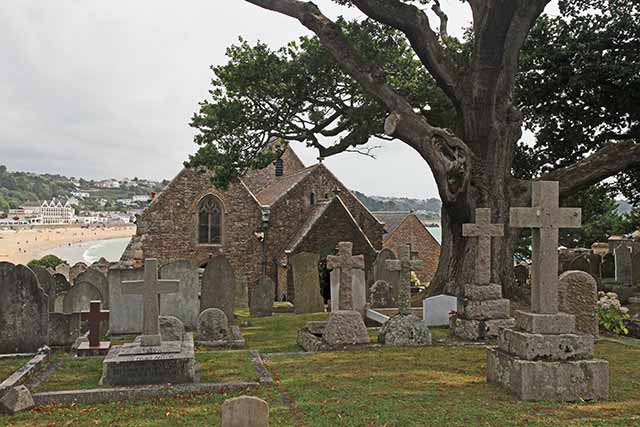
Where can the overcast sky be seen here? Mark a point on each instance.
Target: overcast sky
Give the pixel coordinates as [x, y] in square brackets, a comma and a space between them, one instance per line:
[100, 89]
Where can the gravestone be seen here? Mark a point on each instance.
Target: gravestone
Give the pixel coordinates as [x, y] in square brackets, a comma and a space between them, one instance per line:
[521, 273]
[245, 411]
[262, 297]
[580, 263]
[62, 284]
[334, 284]
[359, 290]
[15, 400]
[608, 267]
[635, 266]
[97, 280]
[94, 316]
[542, 358]
[79, 298]
[381, 272]
[126, 316]
[241, 297]
[436, 310]
[347, 264]
[624, 271]
[213, 325]
[48, 284]
[102, 265]
[218, 287]
[151, 288]
[481, 310]
[404, 265]
[578, 292]
[306, 282]
[595, 266]
[63, 269]
[58, 305]
[183, 304]
[75, 271]
[149, 359]
[24, 310]
[382, 295]
[171, 328]
[64, 329]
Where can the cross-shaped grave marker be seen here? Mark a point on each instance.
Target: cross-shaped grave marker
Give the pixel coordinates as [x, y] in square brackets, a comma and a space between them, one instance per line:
[484, 231]
[345, 262]
[150, 288]
[94, 316]
[405, 265]
[545, 217]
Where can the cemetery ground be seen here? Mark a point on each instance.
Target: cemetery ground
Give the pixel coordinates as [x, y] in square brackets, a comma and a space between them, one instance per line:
[443, 384]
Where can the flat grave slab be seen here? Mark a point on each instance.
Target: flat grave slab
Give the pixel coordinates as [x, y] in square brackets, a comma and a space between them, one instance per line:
[134, 364]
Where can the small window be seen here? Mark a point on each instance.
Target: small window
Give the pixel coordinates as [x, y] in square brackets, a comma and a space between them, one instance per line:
[312, 199]
[279, 167]
[209, 221]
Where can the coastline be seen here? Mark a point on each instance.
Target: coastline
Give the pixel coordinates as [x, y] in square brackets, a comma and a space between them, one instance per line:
[23, 245]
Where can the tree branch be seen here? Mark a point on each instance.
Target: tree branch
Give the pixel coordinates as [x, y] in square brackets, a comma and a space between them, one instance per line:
[414, 23]
[448, 157]
[444, 19]
[606, 162]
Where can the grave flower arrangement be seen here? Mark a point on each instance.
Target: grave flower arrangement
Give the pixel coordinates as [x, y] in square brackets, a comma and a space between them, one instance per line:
[611, 314]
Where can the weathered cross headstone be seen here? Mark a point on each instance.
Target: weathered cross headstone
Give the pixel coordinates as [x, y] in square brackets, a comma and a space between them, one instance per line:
[542, 358]
[545, 218]
[345, 262]
[150, 288]
[624, 272]
[94, 317]
[219, 287]
[405, 265]
[483, 230]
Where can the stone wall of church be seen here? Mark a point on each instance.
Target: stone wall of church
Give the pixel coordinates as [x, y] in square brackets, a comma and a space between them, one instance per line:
[168, 227]
[413, 232]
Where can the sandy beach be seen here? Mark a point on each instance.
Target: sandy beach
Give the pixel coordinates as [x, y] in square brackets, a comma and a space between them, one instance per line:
[20, 247]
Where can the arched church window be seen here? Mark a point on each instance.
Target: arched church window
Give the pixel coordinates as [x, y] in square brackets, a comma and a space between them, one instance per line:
[210, 221]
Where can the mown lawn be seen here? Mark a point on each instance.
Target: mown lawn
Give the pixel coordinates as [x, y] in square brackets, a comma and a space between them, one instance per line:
[376, 387]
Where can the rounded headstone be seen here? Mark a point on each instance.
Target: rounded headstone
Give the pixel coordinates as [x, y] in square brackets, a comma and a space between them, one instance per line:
[213, 325]
[578, 295]
[245, 411]
[262, 296]
[79, 298]
[382, 295]
[405, 331]
[171, 328]
[345, 327]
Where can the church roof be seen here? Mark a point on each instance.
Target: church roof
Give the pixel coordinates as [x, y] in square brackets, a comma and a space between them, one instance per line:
[391, 220]
[282, 186]
[315, 216]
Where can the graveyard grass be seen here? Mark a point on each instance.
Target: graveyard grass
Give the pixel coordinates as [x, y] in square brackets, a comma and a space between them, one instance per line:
[9, 365]
[433, 386]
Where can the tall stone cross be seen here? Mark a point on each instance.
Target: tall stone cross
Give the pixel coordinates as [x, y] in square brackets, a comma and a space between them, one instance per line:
[545, 217]
[345, 262]
[150, 288]
[405, 265]
[484, 231]
[94, 316]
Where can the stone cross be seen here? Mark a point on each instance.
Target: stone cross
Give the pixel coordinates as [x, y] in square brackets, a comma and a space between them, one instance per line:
[345, 262]
[94, 316]
[150, 288]
[405, 265]
[545, 217]
[484, 231]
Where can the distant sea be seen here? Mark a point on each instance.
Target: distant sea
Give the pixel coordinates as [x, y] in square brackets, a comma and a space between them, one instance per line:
[91, 251]
[436, 232]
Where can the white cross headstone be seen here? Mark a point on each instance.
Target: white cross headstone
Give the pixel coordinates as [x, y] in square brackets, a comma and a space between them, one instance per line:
[150, 288]
[545, 217]
[345, 262]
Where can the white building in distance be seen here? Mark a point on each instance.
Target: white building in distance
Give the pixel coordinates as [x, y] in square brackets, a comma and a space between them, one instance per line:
[55, 212]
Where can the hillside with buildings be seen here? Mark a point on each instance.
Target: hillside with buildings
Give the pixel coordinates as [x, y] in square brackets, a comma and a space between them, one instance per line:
[30, 198]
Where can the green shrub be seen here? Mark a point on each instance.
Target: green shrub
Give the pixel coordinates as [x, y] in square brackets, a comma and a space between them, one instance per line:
[47, 261]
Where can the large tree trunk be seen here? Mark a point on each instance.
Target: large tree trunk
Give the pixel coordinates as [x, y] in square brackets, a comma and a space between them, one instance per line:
[491, 186]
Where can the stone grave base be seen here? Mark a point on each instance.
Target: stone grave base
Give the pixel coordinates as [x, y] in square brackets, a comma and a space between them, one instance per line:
[132, 364]
[84, 350]
[344, 330]
[562, 381]
[477, 330]
[235, 340]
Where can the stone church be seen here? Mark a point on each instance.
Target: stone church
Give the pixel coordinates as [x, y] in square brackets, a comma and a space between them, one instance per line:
[258, 222]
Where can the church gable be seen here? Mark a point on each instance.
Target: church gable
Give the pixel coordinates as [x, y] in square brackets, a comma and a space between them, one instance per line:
[289, 164]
